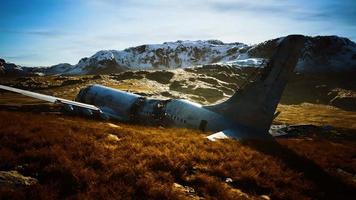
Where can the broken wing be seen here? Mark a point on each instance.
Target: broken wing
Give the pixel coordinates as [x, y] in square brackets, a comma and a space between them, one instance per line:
[51, 99]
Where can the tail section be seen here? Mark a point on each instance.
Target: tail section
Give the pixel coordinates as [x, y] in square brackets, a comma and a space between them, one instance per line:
[255, 104]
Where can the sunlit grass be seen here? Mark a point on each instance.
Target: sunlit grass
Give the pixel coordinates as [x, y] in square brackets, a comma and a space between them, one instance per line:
[75, 158]
[317, 115]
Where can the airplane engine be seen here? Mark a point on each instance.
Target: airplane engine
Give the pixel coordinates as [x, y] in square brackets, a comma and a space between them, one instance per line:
[68, 108]
[116, 102]
[87, 112]
[104, 116]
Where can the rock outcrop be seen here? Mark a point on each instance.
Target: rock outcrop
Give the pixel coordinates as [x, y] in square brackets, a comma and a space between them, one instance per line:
[14, 178]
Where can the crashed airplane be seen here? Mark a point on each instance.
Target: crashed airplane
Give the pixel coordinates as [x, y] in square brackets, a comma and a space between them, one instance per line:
[248, 114]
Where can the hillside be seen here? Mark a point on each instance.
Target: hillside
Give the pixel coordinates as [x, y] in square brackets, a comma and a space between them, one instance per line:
[205, 84]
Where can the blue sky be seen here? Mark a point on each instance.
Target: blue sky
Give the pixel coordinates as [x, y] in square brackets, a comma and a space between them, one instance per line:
[47, 32]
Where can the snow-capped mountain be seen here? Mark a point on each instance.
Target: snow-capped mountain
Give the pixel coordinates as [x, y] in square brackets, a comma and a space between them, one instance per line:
[169, 55]
[328, 54]
[320, 54]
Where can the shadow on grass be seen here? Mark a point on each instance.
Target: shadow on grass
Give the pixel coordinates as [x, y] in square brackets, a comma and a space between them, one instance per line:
[328, 187]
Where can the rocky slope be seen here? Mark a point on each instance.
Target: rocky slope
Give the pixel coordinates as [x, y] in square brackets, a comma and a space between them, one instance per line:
[204, 84]
[11, 69]
[320, 54]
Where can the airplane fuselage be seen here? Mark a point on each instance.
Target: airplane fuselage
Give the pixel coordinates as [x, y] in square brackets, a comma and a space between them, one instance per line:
[129, 107]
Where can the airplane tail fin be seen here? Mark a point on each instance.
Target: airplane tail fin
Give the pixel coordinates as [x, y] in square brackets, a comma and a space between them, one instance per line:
[254, 105]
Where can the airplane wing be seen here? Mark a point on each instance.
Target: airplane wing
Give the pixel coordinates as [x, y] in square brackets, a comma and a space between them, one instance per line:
[239, 133]
[224, 134]
[51, 99]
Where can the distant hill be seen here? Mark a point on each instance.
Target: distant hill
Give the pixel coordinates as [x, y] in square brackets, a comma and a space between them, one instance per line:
[11, 69]
[320, 54]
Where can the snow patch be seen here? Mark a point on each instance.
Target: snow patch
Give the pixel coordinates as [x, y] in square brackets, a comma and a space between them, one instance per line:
[250, 62]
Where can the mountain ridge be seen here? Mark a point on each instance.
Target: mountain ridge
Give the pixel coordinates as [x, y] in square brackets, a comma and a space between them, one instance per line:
[320, 54]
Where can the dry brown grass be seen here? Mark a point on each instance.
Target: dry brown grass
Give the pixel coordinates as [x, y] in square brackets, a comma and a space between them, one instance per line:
[74, 158]
[316, 114]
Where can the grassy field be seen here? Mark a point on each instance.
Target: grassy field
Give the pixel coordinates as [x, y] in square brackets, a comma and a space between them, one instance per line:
[78, 158]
